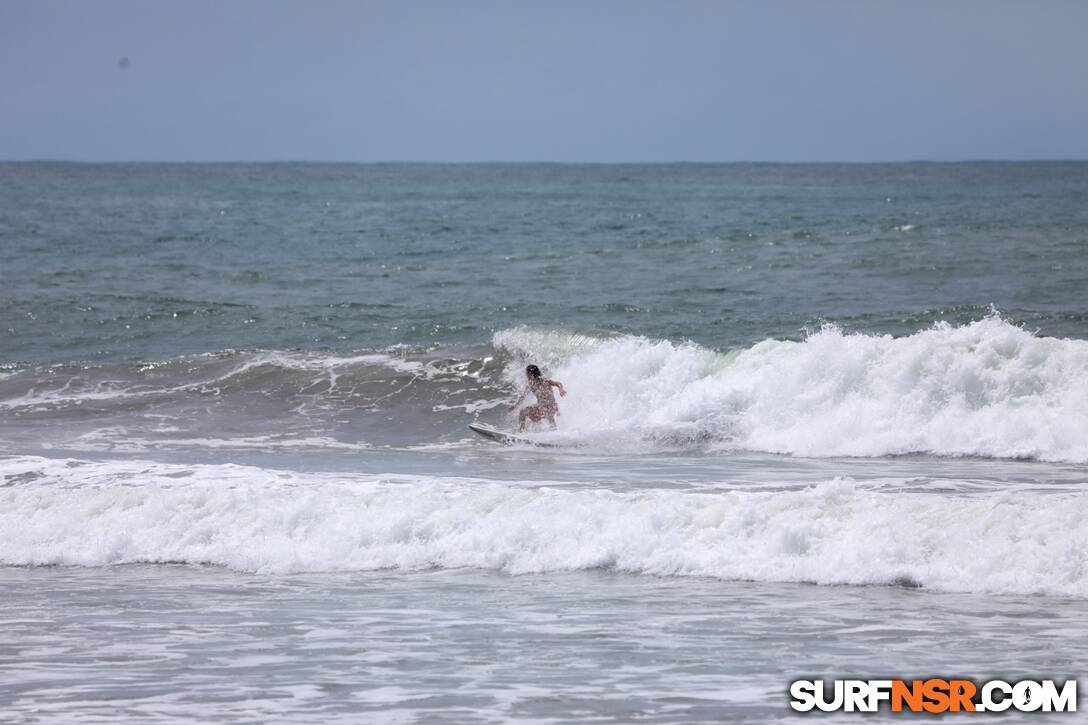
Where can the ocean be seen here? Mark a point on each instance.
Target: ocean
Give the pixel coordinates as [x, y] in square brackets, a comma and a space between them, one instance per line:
[824, 421]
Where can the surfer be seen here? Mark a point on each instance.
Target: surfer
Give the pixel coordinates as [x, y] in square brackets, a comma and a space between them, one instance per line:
[546, 406]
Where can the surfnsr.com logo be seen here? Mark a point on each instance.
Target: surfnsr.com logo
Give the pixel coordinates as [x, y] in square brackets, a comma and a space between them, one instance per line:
[934, 695]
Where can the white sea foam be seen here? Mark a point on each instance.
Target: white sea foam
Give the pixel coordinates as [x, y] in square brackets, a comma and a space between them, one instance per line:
[93, 513]
[988, 388]
[123, 440]
[326, 363]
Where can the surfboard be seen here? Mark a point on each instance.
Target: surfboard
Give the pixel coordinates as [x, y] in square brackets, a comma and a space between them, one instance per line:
[507, 439]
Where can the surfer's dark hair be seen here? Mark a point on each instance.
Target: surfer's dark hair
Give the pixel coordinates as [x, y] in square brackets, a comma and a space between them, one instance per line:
[533, 370]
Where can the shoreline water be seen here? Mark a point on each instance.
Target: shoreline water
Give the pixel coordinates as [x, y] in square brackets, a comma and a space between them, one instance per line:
[165, 643]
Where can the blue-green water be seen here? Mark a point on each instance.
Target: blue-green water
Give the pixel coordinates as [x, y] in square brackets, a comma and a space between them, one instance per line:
[239, 395]
[152, 261]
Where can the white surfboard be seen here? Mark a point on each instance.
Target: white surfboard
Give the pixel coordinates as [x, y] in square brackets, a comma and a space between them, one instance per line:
[507, 439]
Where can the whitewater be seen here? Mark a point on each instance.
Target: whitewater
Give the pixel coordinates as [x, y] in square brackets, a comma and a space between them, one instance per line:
[80, 513]
[988, 388]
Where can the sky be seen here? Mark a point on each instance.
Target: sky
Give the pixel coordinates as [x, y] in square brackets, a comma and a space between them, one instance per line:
[587, 81]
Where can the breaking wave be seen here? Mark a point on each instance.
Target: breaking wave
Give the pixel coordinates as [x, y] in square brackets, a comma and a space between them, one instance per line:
[94, 513]
[988, 388]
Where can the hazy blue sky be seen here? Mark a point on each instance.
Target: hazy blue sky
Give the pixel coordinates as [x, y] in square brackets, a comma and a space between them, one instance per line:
[552, 81]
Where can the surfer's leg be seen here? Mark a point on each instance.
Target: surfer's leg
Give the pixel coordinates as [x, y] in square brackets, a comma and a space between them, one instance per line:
[533, 412]
[549, 412]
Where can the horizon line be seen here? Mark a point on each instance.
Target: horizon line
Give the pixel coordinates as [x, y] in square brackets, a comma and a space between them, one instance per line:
[678, 162]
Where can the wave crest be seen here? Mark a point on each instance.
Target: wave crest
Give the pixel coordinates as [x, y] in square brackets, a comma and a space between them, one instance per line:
[988, 388]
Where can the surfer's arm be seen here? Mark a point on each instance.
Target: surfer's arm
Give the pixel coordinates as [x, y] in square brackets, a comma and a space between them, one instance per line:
[556, 383]
[520, 398]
